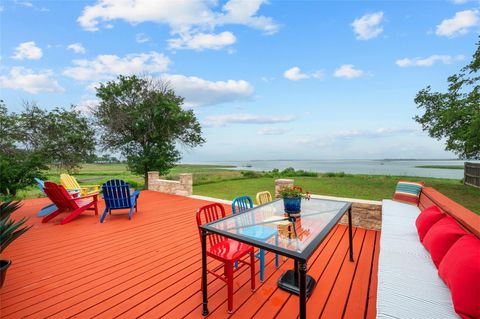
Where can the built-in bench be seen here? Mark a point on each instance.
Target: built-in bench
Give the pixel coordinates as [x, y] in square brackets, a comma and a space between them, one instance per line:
[408, 281]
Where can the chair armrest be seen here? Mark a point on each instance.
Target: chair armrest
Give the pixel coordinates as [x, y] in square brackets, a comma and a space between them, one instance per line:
[91, 186]
[135, 194]
[95, 197]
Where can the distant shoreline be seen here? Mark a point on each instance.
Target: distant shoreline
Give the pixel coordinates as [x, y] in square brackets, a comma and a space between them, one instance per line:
[441, 166]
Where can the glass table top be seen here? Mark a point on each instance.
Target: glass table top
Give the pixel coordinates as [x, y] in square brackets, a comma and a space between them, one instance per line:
[268, 226]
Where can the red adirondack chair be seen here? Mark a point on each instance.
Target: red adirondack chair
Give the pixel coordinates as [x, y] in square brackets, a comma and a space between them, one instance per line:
[66, 204]
[225, 250]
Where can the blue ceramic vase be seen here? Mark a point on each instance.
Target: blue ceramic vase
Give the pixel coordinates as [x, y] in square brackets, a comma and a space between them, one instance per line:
[292, 205]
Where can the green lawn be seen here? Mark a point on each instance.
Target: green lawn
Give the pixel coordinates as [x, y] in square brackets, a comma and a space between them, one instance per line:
[220, 182]
[354, 186]
[100, 173]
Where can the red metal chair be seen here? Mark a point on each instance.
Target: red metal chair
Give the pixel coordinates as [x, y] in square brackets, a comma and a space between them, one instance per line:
[225, 250]
[65, 203]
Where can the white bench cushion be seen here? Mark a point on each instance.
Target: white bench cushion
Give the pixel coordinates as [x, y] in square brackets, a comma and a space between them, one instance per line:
[408, 283]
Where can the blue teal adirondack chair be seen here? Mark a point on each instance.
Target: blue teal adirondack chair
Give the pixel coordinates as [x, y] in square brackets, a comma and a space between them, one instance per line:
[47, 209]
[242, 204]
[116, 194]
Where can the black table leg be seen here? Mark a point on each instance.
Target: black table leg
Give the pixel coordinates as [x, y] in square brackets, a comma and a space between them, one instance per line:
[204, 273]
[290, 281]
[297, 274]
[303, 289]
[350, 232]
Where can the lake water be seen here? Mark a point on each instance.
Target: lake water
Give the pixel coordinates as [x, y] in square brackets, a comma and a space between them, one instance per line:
[374, 167]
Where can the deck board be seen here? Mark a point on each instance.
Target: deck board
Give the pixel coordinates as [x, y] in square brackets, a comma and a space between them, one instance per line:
[150, 267]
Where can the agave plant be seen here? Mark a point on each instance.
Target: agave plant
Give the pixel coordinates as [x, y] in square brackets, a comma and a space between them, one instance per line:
[9, 228]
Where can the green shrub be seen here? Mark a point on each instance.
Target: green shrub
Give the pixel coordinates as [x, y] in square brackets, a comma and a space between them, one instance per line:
[333, 174]
[135, 184]
[251, 174]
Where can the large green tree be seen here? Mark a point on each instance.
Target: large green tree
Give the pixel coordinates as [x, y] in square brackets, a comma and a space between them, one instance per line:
[18, 166]
[35, 138]
[64, 136]
[455, 115]
[143, 119]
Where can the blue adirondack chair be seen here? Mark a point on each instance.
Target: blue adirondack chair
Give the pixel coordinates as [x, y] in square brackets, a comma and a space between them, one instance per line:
[116, 194]
[242, 204]
[47, 209]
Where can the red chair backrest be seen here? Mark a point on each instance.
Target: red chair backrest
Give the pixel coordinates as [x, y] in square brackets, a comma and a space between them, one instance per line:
[59, 196]
[207, 214]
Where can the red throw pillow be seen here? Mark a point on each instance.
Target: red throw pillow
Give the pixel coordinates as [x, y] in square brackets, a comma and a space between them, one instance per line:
[426, 219]
[441, 236]
[460, 270]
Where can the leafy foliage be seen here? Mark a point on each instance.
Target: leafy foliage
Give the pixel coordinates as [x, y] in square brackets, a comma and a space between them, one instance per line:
[289, 172]
[18, 166]
[66, 137]
[35, 138]
[293, 192]
[9, 228]
[144, 120]
[251, 174]
[455, 115]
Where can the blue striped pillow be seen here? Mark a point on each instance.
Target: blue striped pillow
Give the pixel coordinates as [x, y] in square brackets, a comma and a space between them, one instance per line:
[408, 192]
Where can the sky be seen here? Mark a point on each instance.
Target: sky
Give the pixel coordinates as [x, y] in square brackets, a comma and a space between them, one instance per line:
[266, 79]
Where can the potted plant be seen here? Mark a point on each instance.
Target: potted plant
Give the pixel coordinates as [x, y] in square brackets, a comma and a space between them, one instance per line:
[292, 199]
[9, 231]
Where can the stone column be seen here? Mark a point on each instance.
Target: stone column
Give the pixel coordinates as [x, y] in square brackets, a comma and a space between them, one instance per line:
[152, 177]
[186, 180]
[368, 216]
[280, 184]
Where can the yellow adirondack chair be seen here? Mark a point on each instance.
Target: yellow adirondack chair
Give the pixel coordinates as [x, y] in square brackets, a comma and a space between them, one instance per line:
[264, 197]
[283, 226]
[70, 183]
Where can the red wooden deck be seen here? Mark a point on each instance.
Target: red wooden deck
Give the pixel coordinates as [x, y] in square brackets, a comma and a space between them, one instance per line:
[150, 267]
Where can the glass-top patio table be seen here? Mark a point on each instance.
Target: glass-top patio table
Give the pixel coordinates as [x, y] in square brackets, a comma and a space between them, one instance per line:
[294, 236]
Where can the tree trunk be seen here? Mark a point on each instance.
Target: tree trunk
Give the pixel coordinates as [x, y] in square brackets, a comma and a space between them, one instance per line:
[145, 180]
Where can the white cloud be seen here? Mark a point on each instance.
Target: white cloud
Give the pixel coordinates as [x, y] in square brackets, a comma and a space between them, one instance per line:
[201, 92]
[77, 48]
[368, 26]
[86, 105]
[245, 13]
[108, 66]
[202, 41]
[141, 38]
[429, 61]
[30, 5]
[317, 75]
[272, 131]
[180, 16]
[20, 78]
[459, 24]
[192, 20]
[27, 50]
[296, 74]
[222, 120]
[348, 71]
[93, 86]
